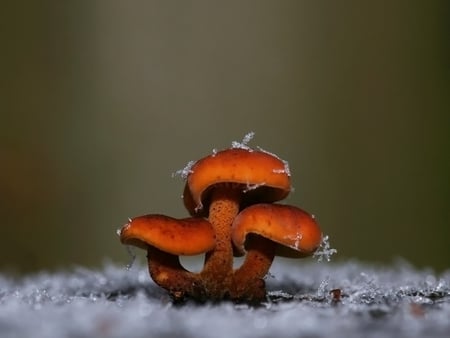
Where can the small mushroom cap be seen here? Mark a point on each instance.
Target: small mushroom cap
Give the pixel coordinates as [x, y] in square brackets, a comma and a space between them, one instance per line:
[263, 177]
[189, 236]
[296, 231]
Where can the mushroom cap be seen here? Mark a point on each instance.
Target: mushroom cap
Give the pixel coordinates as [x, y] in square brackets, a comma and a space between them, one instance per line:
[294, 230]
[188, 236]
[261, 176]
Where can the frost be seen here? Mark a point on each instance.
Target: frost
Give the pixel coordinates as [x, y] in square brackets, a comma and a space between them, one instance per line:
[125, 227]
[324, 250]
[280, 294]
[251, 187]
[244, 143]
[286, 170]
[184, 173]
[131, 251]
[297, 238]
[323, 287]
[394, 300]
[248, 137]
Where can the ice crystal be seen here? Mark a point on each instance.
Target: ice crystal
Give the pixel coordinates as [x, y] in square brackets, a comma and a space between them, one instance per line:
[184, 173]
[297, 238]
[131, 251]
[286, 169]
[322, 290]
[244, 143]
[324, 250]
[251, 187]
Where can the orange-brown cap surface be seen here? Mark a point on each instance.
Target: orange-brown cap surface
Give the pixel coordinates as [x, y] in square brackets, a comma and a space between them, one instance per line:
[189, 236]
[295, 230]
[261, 176]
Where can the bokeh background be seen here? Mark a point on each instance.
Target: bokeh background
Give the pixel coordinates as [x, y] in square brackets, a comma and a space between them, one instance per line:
[101, 101]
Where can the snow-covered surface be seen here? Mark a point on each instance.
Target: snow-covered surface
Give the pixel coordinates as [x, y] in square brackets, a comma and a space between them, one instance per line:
[389, 301]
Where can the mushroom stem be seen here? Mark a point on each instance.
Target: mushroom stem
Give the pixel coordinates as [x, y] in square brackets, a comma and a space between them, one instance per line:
[218, 269]
[167, 271]
[248, 279]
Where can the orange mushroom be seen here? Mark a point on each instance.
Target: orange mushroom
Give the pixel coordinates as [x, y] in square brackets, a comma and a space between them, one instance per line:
[165, 238]
[266, 230]
[219, 186]
[295, 231]
[259, 175]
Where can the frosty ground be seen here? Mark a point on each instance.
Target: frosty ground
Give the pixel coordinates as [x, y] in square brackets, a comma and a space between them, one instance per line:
[390, 301]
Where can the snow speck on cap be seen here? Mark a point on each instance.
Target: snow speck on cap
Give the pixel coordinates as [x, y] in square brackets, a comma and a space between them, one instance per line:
[244, 143]
[184, 173]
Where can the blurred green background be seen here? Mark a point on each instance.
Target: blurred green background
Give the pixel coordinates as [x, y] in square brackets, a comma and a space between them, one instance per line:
[102, 100]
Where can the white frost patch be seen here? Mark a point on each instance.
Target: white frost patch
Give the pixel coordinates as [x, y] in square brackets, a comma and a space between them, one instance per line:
[324, 250]
[244, 143]
[297, 238]
[184, 173]
[287, 170]
[251, 187]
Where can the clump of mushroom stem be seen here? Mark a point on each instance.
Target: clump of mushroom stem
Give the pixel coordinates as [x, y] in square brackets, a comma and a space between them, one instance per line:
[231, 197]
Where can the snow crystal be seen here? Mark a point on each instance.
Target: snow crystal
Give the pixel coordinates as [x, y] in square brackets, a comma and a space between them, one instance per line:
[286, 169]
[244, 143]
[394, 300]
[297, 238]
[132, 253]
[324, 250]
[184, 173]
[323, 287]
[125, 227]
[251, 187]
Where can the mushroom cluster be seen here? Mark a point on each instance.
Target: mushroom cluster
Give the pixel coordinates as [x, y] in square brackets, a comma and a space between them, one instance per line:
[231, 197]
